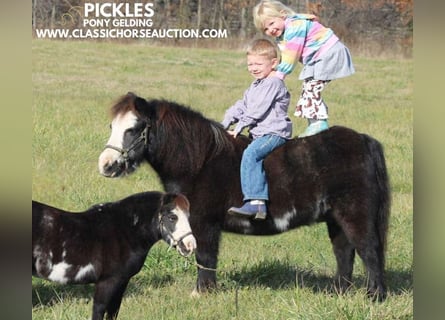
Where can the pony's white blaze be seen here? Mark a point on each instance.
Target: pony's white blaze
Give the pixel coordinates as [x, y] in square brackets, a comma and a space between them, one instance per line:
[119, 124]
[182, 228]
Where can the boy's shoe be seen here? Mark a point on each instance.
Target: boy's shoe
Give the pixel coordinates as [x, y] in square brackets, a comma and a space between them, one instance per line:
[314, 128]
[258, 211]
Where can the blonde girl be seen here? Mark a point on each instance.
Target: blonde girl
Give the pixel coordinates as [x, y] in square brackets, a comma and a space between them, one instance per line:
[301, 37]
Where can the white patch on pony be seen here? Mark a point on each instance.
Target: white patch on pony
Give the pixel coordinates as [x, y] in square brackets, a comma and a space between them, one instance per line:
[47, 221]
[119, 125]
[283, 222]
[135, 219]
[182, 228]
[58, 272]
[37, 251]
[84, 271]
[245, 224]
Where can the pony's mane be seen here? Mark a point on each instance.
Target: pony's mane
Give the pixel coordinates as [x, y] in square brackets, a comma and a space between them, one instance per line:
[198, 134]
[123, 105]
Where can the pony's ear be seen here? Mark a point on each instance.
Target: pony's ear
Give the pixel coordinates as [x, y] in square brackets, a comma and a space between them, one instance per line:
[182, 202]
[145, 109]
[168, 201]
[176, 200]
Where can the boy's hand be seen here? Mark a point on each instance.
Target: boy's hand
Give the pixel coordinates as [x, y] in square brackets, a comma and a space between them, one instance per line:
[232, 133]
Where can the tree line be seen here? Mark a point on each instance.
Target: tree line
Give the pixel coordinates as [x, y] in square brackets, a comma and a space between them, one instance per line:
[383, 24]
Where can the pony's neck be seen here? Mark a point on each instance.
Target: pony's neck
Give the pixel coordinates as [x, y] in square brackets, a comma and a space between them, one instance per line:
[184, 144]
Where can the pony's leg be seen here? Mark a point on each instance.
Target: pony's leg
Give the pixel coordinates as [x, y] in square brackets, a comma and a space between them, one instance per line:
[99, 302]
[107, 297]
[372, 256]
[365, 240]
[207, 237]
[116, 299]
[344, 253]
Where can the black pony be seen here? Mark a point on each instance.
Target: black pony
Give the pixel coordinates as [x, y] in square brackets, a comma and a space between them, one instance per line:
[108, 243]
[338, 177]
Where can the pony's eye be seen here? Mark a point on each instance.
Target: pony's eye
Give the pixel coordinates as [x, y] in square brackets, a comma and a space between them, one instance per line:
[172, 217]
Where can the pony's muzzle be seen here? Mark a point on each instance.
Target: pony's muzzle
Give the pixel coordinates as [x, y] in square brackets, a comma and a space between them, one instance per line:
[109, 164]
[187, 245]
[111, 170]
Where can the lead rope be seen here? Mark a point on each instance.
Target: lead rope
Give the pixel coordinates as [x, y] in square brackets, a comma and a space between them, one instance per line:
[200, 266]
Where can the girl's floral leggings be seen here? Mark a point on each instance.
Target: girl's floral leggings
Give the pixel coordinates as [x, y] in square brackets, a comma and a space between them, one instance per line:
[311, 104]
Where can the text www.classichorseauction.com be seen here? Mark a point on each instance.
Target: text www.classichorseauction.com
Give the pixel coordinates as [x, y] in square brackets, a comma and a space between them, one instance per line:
[131, 33]
[120, 20]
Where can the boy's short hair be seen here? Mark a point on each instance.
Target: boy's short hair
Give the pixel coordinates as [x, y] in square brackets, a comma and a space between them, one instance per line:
[263, 47]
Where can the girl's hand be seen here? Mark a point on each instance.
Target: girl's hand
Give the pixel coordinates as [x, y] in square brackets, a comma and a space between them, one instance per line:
[277, 74]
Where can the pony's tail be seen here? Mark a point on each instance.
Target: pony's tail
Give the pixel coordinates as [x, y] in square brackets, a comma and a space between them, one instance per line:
[383, 192]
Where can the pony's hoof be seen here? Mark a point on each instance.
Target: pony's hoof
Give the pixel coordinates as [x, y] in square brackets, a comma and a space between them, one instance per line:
[195, 294]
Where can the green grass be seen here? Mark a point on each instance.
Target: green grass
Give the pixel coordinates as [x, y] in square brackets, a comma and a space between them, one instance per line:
[280, 277]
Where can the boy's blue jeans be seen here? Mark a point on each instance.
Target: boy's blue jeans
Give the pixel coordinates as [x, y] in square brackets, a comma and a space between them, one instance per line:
[253, 177]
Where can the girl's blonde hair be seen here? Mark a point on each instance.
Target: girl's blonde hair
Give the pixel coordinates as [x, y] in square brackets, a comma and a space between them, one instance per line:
[268, 9]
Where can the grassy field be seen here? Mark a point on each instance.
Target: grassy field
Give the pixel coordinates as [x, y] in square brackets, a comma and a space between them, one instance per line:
[279, 277]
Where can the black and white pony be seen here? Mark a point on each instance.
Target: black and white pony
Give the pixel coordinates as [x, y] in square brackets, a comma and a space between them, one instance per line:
[108, 243]
[338, 177]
